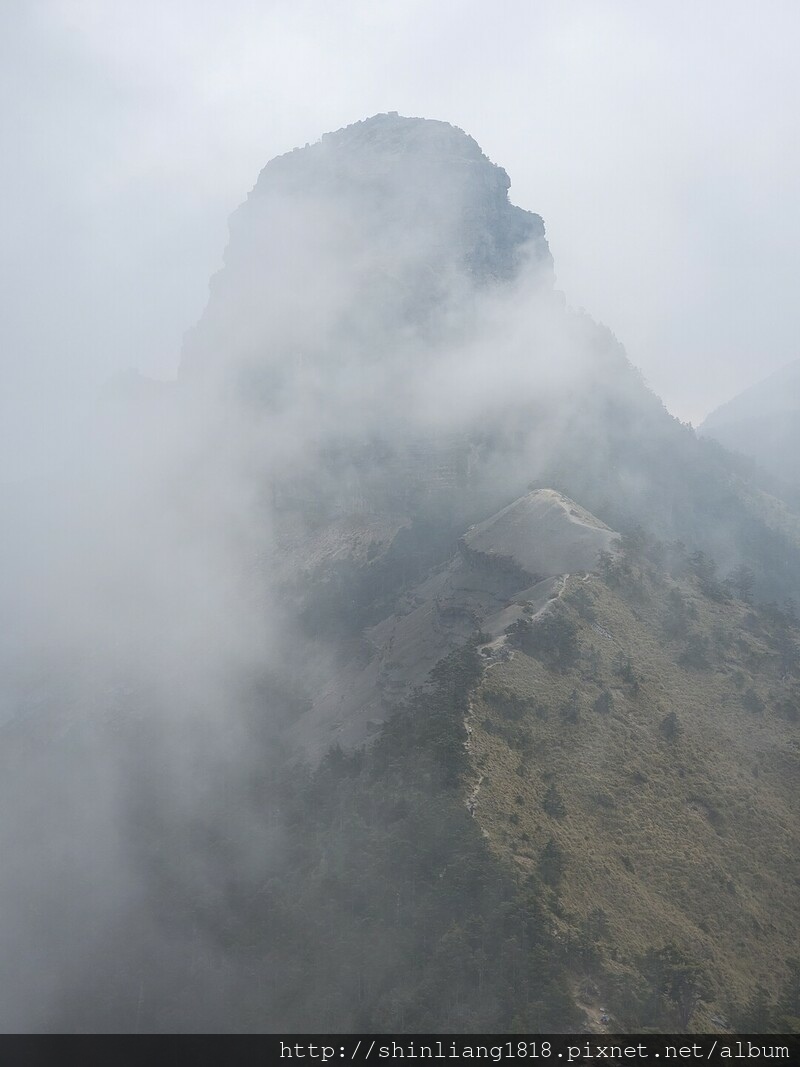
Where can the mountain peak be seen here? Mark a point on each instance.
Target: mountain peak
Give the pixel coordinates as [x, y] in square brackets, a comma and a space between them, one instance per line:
[419, 175]
[390, 130]
[401, 212]
[384, 139]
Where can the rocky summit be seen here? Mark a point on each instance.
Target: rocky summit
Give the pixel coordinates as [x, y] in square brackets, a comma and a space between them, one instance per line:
[380, 220]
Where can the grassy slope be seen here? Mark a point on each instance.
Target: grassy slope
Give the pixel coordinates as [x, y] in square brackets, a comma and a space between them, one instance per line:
[690, 840]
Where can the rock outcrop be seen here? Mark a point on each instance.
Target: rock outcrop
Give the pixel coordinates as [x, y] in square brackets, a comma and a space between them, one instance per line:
[373, 225]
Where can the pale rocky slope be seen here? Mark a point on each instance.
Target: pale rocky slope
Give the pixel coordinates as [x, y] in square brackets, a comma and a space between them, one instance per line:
[505, 569]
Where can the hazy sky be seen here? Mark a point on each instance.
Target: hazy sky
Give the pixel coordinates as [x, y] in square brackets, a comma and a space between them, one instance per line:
[659, 141]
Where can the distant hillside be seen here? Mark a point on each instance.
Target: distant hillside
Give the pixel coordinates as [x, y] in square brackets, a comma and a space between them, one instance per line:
[764, 422]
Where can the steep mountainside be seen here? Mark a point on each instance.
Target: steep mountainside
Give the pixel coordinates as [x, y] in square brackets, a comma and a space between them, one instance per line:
[648, 777]
[503, 565]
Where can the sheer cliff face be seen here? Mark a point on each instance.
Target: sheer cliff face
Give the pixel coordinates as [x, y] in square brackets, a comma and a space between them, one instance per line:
[375, 228]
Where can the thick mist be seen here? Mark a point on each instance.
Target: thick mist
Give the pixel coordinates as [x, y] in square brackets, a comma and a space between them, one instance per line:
[383, 352]
[149, 591]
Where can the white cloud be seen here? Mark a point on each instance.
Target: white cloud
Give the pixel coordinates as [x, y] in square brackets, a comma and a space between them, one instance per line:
[658, 142]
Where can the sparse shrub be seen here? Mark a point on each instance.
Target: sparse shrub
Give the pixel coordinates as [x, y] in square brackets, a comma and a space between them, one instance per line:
[624, 668]
[552, 639]
[677, 559]
[508, 703]
[571, 709]
[552, 863]
[635, 543]
[758, 1014]
[789, 706]
[553, 803]
[583, 604]
[695, 653]
[783, 639]
[594, 662]
[608, 566]
[752, 701]
[788, 652]
[615, 570]
[676, 621]
[676, 982]
[705, 570]
[604, 703]
[514, 736]
[742, 581]
[789, 1002]
[604, 801]
[596, 924]
[722, 637]
[670, 727]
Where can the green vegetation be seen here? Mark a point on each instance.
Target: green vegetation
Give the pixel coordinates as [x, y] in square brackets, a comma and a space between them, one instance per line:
[677, 984]
[553, 639]
[383, 907]
[673, 809]
[553, 802]
[671, 726]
